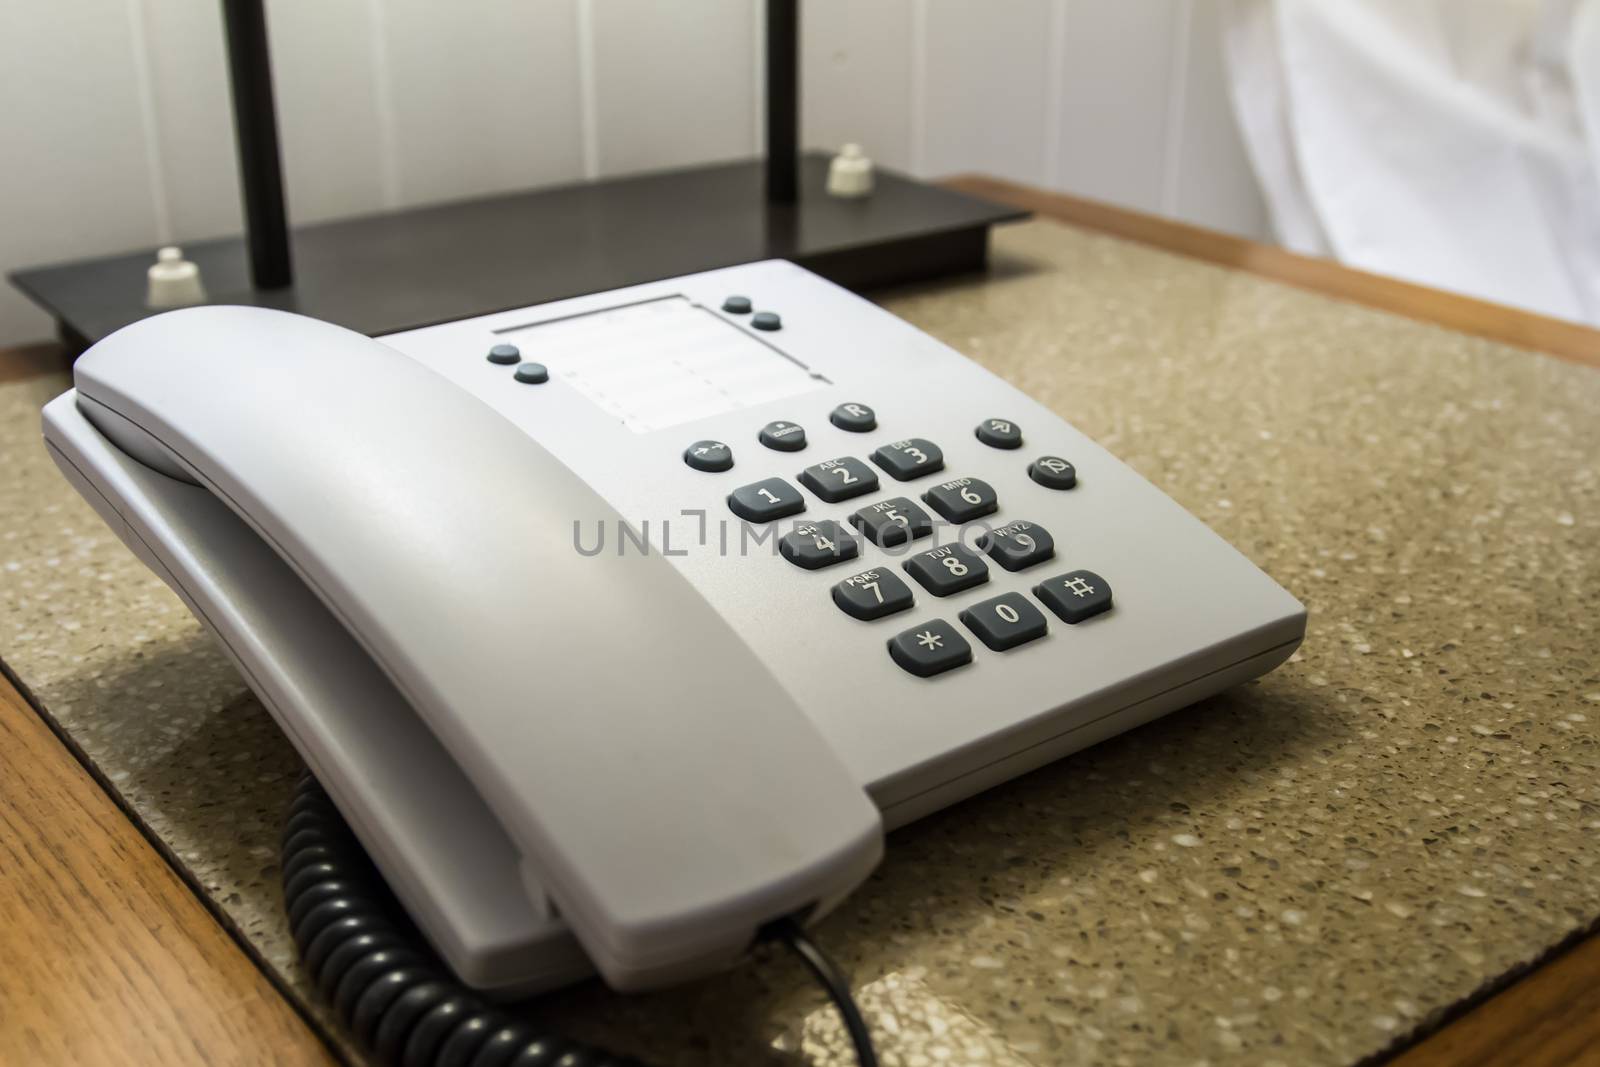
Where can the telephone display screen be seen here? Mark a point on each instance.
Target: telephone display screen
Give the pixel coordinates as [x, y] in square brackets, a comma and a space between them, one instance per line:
[663, 362]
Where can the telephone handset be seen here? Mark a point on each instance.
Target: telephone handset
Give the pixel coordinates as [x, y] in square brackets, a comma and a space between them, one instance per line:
[620, 628]
[668, 791]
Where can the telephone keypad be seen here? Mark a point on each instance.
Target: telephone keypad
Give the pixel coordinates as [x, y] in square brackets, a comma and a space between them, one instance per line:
[892, 522]
[930, 648]
[948, 570]
[839, 479]
[814, 545]
[908, 459]
[768, 499]
[1017, 545]
[962, 499]
[872, 594]
[1005, 621]
[1075, 596]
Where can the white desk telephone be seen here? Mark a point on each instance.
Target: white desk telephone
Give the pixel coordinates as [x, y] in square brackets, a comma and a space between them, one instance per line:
[878, 580]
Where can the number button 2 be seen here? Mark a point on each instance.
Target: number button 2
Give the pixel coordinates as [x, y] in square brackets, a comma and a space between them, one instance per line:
[839, 479]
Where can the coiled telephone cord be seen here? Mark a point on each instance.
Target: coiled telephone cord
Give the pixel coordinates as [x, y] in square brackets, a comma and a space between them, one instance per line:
[395, 997]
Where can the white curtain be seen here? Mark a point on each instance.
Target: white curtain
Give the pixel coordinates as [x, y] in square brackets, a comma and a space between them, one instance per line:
[1454, 143]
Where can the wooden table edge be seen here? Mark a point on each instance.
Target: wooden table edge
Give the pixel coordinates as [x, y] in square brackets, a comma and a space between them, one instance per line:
[1565, 340]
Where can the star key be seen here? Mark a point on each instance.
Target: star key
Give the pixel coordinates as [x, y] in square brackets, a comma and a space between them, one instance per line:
[930, 648]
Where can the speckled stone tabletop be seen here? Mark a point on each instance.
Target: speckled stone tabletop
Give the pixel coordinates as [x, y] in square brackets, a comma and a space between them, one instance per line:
[1306, 870]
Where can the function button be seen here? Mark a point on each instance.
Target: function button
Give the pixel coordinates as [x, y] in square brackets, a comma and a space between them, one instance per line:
[962, 499]
[1053, 472]
[908, 459]
[737, 305]
[892, 522]
[532, 373]
[931, 648]
[783, 436]
[505, 355]
[763, 501]
[857, 418]
[947, 570]
[766, 320]
[999, 433]
[1075, 596]
[1005, 621]
[708, 456]
[1018, 544]
[872, 594]
[814, 545]
[839, 479]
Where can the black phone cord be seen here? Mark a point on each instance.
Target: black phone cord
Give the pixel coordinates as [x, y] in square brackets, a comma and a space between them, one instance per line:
[389, 990]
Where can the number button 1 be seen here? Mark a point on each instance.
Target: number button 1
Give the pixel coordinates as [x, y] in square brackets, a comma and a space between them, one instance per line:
[872, 594]
[839, 479]
[962, 499]
[942, 571]
[1005, 621]
[766, 500]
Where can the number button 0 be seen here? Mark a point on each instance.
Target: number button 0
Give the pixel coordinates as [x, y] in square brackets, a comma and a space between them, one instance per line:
[1005, 621]
[908, 459]
[947, 570]
[839, 479]
[1018, 544]
[962, 499]
[766, 500]
[872, 594]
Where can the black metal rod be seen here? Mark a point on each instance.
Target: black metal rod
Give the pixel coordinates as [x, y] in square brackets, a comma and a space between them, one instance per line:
[255, 124]
[783, 101]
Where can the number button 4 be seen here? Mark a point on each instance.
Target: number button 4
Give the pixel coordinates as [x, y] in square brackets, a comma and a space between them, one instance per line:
[962, 499]
[947, 570]
[1018, 544]
[872, 594]
[1006, 621]
[908, 459]
[813, 545]
[839, 479]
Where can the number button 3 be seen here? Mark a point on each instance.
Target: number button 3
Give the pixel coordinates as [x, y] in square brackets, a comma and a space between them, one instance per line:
[908, 459]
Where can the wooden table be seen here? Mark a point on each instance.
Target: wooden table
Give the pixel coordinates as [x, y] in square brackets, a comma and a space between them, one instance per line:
[108, 957]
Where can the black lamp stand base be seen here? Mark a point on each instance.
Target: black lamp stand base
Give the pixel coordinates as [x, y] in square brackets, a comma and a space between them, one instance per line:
[403, 269]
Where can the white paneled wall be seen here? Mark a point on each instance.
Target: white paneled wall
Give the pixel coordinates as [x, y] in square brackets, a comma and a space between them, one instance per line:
[116, 128]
